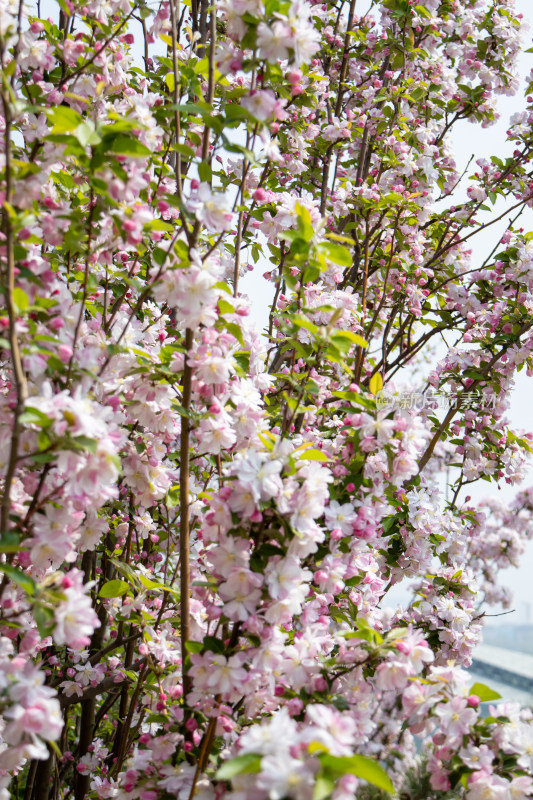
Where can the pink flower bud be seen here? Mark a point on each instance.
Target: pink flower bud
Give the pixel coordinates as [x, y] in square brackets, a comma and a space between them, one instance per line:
[64, 351]
[294, 76]
[294, 706]
[260, 195]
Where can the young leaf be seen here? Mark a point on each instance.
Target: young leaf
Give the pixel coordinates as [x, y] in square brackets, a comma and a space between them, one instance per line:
[324, 786]
[360, 766]
[113, 589]
[246, 764]
[20, 578]
[315, 455]
[64, 119]
[376, 384]
[20, 298]
[485, 693]
[127, 146]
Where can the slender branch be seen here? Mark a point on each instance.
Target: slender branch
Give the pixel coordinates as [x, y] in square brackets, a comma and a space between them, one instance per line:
[185, 576]
[19, 377]
[174, 12]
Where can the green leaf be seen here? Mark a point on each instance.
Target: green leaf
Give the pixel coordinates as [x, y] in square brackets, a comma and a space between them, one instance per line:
[85, 443]
[361, 766]
[201, 67]
[223, 286]
[336, 253]
[150, 584]
[204, 171]
[194, 647]
[305, 224]
[86, 134]
[159, 225]
[21, 300]
[353, 397]
[214, 645]
[185, 150]
[236, 112]
[224, 307]
[34, 416]
[246, 764]
[64, 119]
[376, 384]
[324, 786]
[235, 331]
[423, 12]
[20, 578]
[303, 322]
[485, 693]
[161, 718]
[44, 618]
[315, 455]
[114, 589]
[9, 543]
[343, 341]
[170, 81]
[352, 337]
[127, 146]
[173, 497]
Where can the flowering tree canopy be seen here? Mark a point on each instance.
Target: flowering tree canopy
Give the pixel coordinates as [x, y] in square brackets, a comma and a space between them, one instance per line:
[201, 520]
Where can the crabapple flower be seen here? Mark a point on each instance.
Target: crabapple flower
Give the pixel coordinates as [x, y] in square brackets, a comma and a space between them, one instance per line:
[75, 618]
[211, 208]
[456, 717]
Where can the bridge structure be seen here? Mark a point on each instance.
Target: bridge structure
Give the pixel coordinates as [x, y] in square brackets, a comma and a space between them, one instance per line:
[508, 672]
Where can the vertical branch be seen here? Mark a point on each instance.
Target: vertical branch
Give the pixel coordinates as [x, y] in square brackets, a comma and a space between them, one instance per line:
[30, 780]
[204, 5]
[360, 350]
[146, 55]
[184, 566]
[194, 15]
[21, 388]
[42, 780]
[338, 105]
[88, 708]
[174, 12]
[84, 287]
[210, 97]
[238, 244]
[185, 575]
[210, 78]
